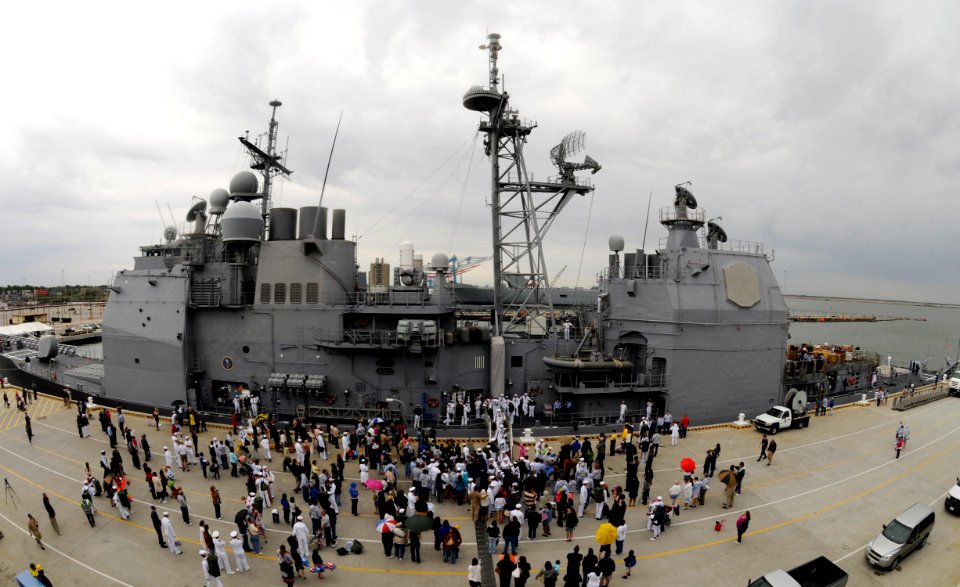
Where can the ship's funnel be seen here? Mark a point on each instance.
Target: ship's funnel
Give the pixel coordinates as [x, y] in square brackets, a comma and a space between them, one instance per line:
[320, 224]
[308, 217]
[283, 224]
[339, 227]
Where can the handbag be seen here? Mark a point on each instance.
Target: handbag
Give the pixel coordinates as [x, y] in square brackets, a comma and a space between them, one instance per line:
[516, 573]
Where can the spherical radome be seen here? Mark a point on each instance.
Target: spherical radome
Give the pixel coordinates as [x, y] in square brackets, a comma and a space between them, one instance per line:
[616, 243]
[440, 261]
[241, 222]
[244, 182]
[219, 198]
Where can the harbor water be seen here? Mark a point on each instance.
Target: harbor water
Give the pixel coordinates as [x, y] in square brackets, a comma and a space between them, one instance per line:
[903, 340]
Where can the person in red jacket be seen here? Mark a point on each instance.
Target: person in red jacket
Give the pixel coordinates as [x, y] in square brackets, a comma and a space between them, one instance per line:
[684, 424]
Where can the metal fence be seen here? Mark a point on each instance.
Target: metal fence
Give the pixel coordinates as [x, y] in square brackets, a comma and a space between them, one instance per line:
[920, 396]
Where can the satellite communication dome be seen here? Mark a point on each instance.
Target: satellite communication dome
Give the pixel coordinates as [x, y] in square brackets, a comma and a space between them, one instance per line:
[244, 182]
[440, 262]
[241, 222]
[616, 243]
[218, 201]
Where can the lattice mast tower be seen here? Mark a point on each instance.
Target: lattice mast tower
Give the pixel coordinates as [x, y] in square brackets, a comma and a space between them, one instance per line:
[522, 210]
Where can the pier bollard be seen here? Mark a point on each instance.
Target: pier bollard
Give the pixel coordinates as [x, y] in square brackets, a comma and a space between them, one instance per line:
[741, 420]
[863, 400]
[90, 402]
[527, 436]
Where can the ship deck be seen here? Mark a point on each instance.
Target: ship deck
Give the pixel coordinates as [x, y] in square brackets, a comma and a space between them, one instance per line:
[830, 489]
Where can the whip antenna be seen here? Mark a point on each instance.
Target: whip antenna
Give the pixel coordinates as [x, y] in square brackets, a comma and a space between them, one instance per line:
[329, 160]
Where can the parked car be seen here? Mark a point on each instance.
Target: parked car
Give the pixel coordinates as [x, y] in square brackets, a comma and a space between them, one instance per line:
[907, 532]
[952, 502]
[820, 572]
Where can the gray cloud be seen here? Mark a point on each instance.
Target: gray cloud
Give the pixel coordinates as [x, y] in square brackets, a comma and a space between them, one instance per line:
[828, 132]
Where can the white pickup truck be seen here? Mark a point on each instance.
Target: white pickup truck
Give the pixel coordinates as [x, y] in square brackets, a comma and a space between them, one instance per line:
[793, 415]
[955, 384]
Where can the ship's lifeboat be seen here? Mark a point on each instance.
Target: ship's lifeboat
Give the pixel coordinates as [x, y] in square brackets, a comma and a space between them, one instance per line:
[577, 364]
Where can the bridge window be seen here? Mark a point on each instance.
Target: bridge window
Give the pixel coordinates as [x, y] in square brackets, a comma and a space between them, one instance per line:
[280, 293]
[296, 293]
[313, 293]
[264, 293]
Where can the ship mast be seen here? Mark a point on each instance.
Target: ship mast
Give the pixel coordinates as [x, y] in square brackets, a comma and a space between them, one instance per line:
[268, 163]
[522, 210]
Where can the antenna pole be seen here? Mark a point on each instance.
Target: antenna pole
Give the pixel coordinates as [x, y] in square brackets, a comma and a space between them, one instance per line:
[268, 163]
[643, 246]
[326, 173]
[271, 151]
[163, 223]
[173, 218]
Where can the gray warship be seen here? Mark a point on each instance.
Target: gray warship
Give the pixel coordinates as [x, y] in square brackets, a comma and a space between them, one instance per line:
[272, 301]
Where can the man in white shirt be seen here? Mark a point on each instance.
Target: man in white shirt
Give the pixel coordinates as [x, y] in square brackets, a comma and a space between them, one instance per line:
[239, 556]
[221, 549]
[302, 534]
[265, 447]
[167, 527]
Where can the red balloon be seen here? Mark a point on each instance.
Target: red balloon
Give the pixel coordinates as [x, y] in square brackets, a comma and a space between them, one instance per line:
[688, 465]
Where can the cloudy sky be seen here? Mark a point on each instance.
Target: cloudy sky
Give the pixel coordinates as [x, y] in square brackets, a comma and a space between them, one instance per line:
[828, 131]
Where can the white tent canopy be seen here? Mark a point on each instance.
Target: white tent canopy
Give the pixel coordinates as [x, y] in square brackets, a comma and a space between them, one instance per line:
[25, 328]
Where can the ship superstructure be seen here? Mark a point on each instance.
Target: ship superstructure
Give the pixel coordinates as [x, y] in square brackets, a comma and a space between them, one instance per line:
[273, 301]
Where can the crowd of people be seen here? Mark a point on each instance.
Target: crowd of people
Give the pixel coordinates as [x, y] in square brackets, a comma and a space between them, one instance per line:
[404, 475]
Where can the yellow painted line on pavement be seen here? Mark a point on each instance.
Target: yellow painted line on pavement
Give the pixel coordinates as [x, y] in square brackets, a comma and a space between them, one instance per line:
[102, 513]
[10, 418]
[815, 512]
[813, 470]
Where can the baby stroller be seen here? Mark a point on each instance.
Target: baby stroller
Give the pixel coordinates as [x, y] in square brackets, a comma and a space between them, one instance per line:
[242, 466]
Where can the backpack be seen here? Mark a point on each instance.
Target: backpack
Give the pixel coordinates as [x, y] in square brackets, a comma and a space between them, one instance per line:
[213, 566]
[598, 494]
[357, 547]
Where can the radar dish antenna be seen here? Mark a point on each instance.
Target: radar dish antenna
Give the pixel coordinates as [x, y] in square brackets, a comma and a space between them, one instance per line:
[572, 144]
[684, 196]
[715, 233]
[197, 214]
[170, 233]
[196, 210]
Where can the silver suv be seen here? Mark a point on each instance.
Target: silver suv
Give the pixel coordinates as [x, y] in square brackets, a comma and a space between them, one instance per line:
[906, 533]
